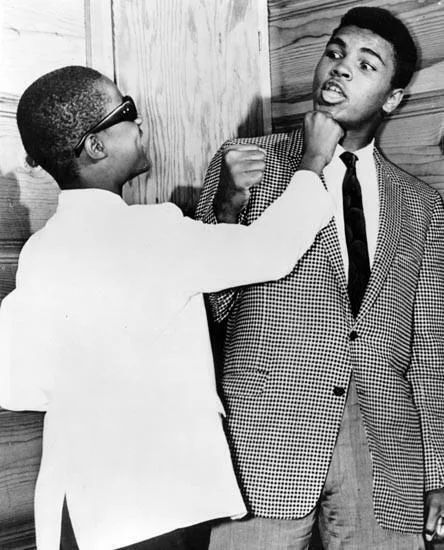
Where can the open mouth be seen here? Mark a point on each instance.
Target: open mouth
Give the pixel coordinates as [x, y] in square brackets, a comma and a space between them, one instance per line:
[332, 93]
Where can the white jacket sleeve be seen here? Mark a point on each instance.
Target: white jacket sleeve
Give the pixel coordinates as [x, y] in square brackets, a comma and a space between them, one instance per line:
[227, 255]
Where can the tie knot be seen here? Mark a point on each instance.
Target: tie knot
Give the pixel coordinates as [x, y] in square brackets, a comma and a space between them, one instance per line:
[349, 159]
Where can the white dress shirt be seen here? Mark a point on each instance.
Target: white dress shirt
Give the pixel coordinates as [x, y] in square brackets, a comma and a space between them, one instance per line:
[366, 173]
[107, 332]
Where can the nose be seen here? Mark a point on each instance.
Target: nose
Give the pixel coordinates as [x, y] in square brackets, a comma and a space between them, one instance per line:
[341, 69]
[138, 121]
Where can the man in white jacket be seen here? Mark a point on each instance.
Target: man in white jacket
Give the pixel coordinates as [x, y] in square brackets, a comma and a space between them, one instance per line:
[106, 330]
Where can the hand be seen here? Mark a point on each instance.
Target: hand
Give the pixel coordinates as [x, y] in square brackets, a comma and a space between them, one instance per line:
[434, 515]
[321, 135]
[242, 167]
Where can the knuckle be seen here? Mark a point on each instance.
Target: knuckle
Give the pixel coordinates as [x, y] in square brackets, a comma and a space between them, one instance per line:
[231, 158]
[242, 179]
[256, 175]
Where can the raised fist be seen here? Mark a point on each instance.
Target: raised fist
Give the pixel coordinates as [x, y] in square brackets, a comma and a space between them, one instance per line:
[242, 167]
[321, 135]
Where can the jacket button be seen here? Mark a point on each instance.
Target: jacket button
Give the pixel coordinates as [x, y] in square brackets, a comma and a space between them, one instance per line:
[353, 335]
[338, 391]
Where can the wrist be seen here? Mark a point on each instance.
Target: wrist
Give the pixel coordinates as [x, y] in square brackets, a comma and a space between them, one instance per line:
[225, 214]
[227, 211]
[228, 206]
[315, 163]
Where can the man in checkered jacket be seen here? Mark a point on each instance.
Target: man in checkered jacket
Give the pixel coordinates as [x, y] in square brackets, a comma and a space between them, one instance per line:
[335, 411]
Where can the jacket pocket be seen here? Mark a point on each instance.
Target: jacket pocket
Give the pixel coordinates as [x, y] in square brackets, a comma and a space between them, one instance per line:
[245, 382]
[407, 260]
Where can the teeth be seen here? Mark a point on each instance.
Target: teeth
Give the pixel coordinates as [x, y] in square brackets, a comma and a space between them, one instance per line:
[333, 88]
[331, 96]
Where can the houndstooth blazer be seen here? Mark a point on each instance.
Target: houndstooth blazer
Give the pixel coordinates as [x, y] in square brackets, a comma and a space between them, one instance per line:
[291, 346]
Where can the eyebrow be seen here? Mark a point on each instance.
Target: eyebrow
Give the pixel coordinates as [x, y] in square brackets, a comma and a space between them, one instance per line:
[338, 41]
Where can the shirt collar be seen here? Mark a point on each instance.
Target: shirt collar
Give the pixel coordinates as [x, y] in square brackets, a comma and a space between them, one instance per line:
[363, 154]
[88, 198]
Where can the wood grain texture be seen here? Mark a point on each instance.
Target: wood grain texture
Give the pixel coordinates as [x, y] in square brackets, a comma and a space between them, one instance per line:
[413, 136]
[8, 267]
[195, 69]
[99, 36]
[28, 195]
[20, 450]
[18, 538]
[38, 37]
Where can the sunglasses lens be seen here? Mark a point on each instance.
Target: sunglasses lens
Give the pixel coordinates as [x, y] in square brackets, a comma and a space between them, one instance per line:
[129, 111]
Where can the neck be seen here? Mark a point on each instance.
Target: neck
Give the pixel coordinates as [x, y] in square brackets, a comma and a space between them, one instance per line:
[354, 144]
[355, 139]
[96, 180]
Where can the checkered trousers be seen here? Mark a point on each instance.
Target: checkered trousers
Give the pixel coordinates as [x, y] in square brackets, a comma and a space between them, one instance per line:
[291, 346]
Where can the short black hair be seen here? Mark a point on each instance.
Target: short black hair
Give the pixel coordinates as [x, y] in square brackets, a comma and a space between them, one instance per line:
[388, 26]
[54, 112]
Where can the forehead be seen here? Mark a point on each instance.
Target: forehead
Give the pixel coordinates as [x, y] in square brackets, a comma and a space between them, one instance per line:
[358, 39]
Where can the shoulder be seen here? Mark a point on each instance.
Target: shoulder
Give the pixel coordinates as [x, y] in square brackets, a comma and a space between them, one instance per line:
[279, 143]
[163, 213]
[414, 189]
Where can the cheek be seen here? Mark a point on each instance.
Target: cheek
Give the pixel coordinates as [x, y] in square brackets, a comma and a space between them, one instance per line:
[367, 96]
[318, 74]
[375, 102]
[132, 142]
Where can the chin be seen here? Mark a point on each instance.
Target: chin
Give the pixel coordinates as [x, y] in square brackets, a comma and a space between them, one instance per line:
[324, 107]
[336, 111]
[138, 172]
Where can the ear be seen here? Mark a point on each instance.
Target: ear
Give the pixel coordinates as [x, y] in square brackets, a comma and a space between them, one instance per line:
[94, 147]
[393, 100]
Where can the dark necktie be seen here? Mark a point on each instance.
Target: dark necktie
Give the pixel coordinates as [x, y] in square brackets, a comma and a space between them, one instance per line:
[355, 235]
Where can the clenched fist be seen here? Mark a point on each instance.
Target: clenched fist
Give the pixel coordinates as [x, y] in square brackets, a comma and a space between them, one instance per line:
[242, 167]
[321, 135]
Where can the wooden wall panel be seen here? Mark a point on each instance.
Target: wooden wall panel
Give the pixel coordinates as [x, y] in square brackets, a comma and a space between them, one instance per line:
[20, 449]
[298, 34]
[99, 36]
[412, 138]
[27, 195]
[38, 37]
[9, 252]
[199, 71]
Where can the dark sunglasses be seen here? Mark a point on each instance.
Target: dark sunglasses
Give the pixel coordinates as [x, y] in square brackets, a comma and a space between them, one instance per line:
[126, 111]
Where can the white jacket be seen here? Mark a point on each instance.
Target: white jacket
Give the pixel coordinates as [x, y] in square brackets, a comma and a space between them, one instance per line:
[106, 331]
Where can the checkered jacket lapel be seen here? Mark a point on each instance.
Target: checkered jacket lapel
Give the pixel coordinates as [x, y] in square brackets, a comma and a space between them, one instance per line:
[390, 223]
[329, 234]
[330, 241]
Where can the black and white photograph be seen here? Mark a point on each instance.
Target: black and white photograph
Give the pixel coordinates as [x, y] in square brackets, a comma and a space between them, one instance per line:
[221, 275]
